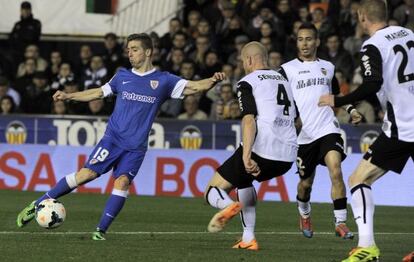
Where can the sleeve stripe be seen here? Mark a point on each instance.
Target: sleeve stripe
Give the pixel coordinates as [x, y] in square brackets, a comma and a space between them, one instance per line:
[107, 90]
[283, 73]
[179, 89]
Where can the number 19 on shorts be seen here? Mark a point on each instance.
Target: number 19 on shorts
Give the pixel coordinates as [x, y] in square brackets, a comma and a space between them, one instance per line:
[101, 154]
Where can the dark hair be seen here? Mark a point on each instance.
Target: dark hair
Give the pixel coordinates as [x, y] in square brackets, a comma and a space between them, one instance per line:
[180, 33]
[189, 61]
[176, 19]
[144, 38]
[26, 5]
[40, 75]
[13, 107]
[309, 26]
[333, 34]
[111, 35]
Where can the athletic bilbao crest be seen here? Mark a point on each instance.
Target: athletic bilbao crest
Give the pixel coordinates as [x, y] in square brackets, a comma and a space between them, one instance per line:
[16, 133]
[324, 72]
[367, 139]
[154, 84]
[191, 138]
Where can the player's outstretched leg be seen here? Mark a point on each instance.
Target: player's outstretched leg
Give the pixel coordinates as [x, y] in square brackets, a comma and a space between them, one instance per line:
[247, 197]
[65, 185]
[220, 219]
[219, 198]
[216, 195]
[363, 254]
[409, 257]
[113, 206]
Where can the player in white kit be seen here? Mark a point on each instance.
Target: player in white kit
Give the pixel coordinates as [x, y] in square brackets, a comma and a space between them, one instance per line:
[319, 139]
[268, 147]
[387, 62]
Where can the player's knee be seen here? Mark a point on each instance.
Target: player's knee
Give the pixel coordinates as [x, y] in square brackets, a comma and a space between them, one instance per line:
[85, 175]
[353, 180]
[305, 184]
[122, 183]
[336, 176]
[336, 171]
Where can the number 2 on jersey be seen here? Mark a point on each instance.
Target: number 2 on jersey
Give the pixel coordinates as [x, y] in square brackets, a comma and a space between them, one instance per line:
[402, 78]
[283, 99]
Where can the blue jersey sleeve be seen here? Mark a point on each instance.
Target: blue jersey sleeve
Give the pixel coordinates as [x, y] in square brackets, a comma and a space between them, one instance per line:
[114, 82]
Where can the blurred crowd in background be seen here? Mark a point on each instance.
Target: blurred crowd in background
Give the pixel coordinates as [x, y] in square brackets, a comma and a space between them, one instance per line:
[206, 37]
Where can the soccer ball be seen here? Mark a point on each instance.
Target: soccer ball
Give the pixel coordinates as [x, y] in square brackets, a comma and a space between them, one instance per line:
[50, 213]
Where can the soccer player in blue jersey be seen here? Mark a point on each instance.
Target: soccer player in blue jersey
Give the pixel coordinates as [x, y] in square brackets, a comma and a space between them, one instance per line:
[140, 92]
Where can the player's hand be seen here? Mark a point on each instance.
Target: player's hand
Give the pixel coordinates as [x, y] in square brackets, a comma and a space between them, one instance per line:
[251, 166]
[60, 96]
[356, 117]
[326, 100]
[218, 76]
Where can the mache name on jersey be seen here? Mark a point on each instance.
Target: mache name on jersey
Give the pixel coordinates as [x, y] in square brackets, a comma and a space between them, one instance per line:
[396, 35]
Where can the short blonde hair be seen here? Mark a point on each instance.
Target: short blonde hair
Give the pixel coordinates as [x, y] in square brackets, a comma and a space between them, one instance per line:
[375, 10]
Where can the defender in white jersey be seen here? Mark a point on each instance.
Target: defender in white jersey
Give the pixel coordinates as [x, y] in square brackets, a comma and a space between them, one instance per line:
[268, 145]
[387, 62]
[319, 139]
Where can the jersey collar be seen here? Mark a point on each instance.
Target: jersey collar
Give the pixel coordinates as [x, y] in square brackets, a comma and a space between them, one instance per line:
[317, 59]
[143, 74]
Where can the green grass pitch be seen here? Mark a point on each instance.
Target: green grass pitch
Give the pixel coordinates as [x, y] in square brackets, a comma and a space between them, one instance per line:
[174, 229]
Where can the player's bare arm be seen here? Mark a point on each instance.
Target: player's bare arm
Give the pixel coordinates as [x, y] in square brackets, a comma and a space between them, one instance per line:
[83, 96]
[249, 132]
[193, 87]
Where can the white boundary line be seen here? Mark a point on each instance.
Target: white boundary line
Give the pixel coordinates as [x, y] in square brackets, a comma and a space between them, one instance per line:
[180, 233]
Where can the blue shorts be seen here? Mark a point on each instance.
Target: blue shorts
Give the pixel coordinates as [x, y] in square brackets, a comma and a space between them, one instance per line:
[107, 155]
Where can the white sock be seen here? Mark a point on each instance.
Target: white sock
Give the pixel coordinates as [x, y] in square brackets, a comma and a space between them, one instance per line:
[304, 208]
[218, 198]
[363, 209]
[247, 196]
[340, 216]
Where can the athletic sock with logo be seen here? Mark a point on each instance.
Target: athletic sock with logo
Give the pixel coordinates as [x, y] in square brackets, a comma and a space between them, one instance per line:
[113, 206]
[304, 207]
[247, 196]
[363, 209]
[340, 211]
[218, 198]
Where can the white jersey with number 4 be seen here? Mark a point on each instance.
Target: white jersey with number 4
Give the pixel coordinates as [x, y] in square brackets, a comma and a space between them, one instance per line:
[308, 80]
[388, 56]
[264, 93]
